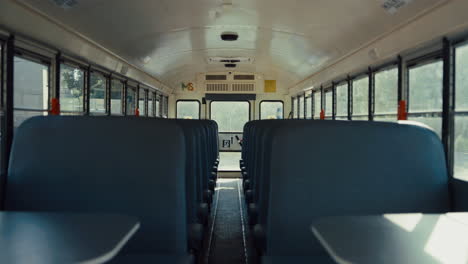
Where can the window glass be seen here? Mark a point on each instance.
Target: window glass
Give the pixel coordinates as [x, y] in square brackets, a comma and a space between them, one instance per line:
[360, 118]
[166, 106]
[425, 87]
[433, 122]
[317, 104]
[386, 91]
[342, 100]
[329, 104]
[151, 104]
[116, 97]
[142, 101]
[188, 109]
[131, 100]
[71, 88]
[425, 94]
[386, 118]
[461, 147]
[461, 119]
[308, 107]
[31, 89]
[230, 116]
[361, 98]
[97, 96]
[294, 108]
[271, 110]
[461, 79]
[158, 106]
[31, 82]
[301, 107]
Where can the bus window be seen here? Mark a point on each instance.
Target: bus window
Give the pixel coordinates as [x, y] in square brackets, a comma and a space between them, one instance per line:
[461, 113]
[116, 97]
[301, 106]
[271, 110]
[165, 105]
[308, 107]
[158, 105]
[425, 94]
[142, 101]
[189, 109]
[386, 95]
[131, 100]
[97, 95]
[317, 104]
[230, 116]
[342, 102]
[361, 98]
[31, 89]
[294, 108]
[151, 96]
[71, 89]
[328, 104]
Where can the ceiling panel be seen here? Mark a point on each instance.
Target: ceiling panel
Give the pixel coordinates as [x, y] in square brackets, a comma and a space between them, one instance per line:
[172, 39]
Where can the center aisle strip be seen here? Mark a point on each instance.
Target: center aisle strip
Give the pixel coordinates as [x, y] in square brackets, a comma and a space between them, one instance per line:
[228, 240]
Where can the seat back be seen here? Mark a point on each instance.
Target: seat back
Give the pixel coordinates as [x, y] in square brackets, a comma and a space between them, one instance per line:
[131, 166]
[327, 168]
[193, 172]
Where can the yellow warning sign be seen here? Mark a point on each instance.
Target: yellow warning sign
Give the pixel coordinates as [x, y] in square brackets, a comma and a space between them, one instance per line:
[270, 86]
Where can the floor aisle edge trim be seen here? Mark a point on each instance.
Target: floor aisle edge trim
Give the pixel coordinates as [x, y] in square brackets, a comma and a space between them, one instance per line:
[242, 222]
[207, 257]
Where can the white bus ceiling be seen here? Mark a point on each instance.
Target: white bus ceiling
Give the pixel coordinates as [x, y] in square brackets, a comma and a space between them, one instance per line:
[290, 41]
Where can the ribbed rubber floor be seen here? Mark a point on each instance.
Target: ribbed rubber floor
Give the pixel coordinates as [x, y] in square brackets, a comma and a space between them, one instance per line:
[227, 238]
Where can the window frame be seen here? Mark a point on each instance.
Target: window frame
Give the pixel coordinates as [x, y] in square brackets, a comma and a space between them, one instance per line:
[122, 93]
[358, 77]
[152, 96]
[307, 108]
[164, 104]
[335, 100]
[135, 88]
[158, 105]
[84, 69]
[315, 93]
[384, 67]
[294, 108]
[420, 62]
[42, 60]
[329, 89]
[188, 100]
[269, 101]
[415, 63]
[145, 100]
[107, 77]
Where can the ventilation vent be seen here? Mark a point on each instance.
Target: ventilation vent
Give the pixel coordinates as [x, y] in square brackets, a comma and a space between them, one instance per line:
[244, 77]
[224, 60]
[217, 87]
[243, 87]
[216, 77]
[65, 4]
